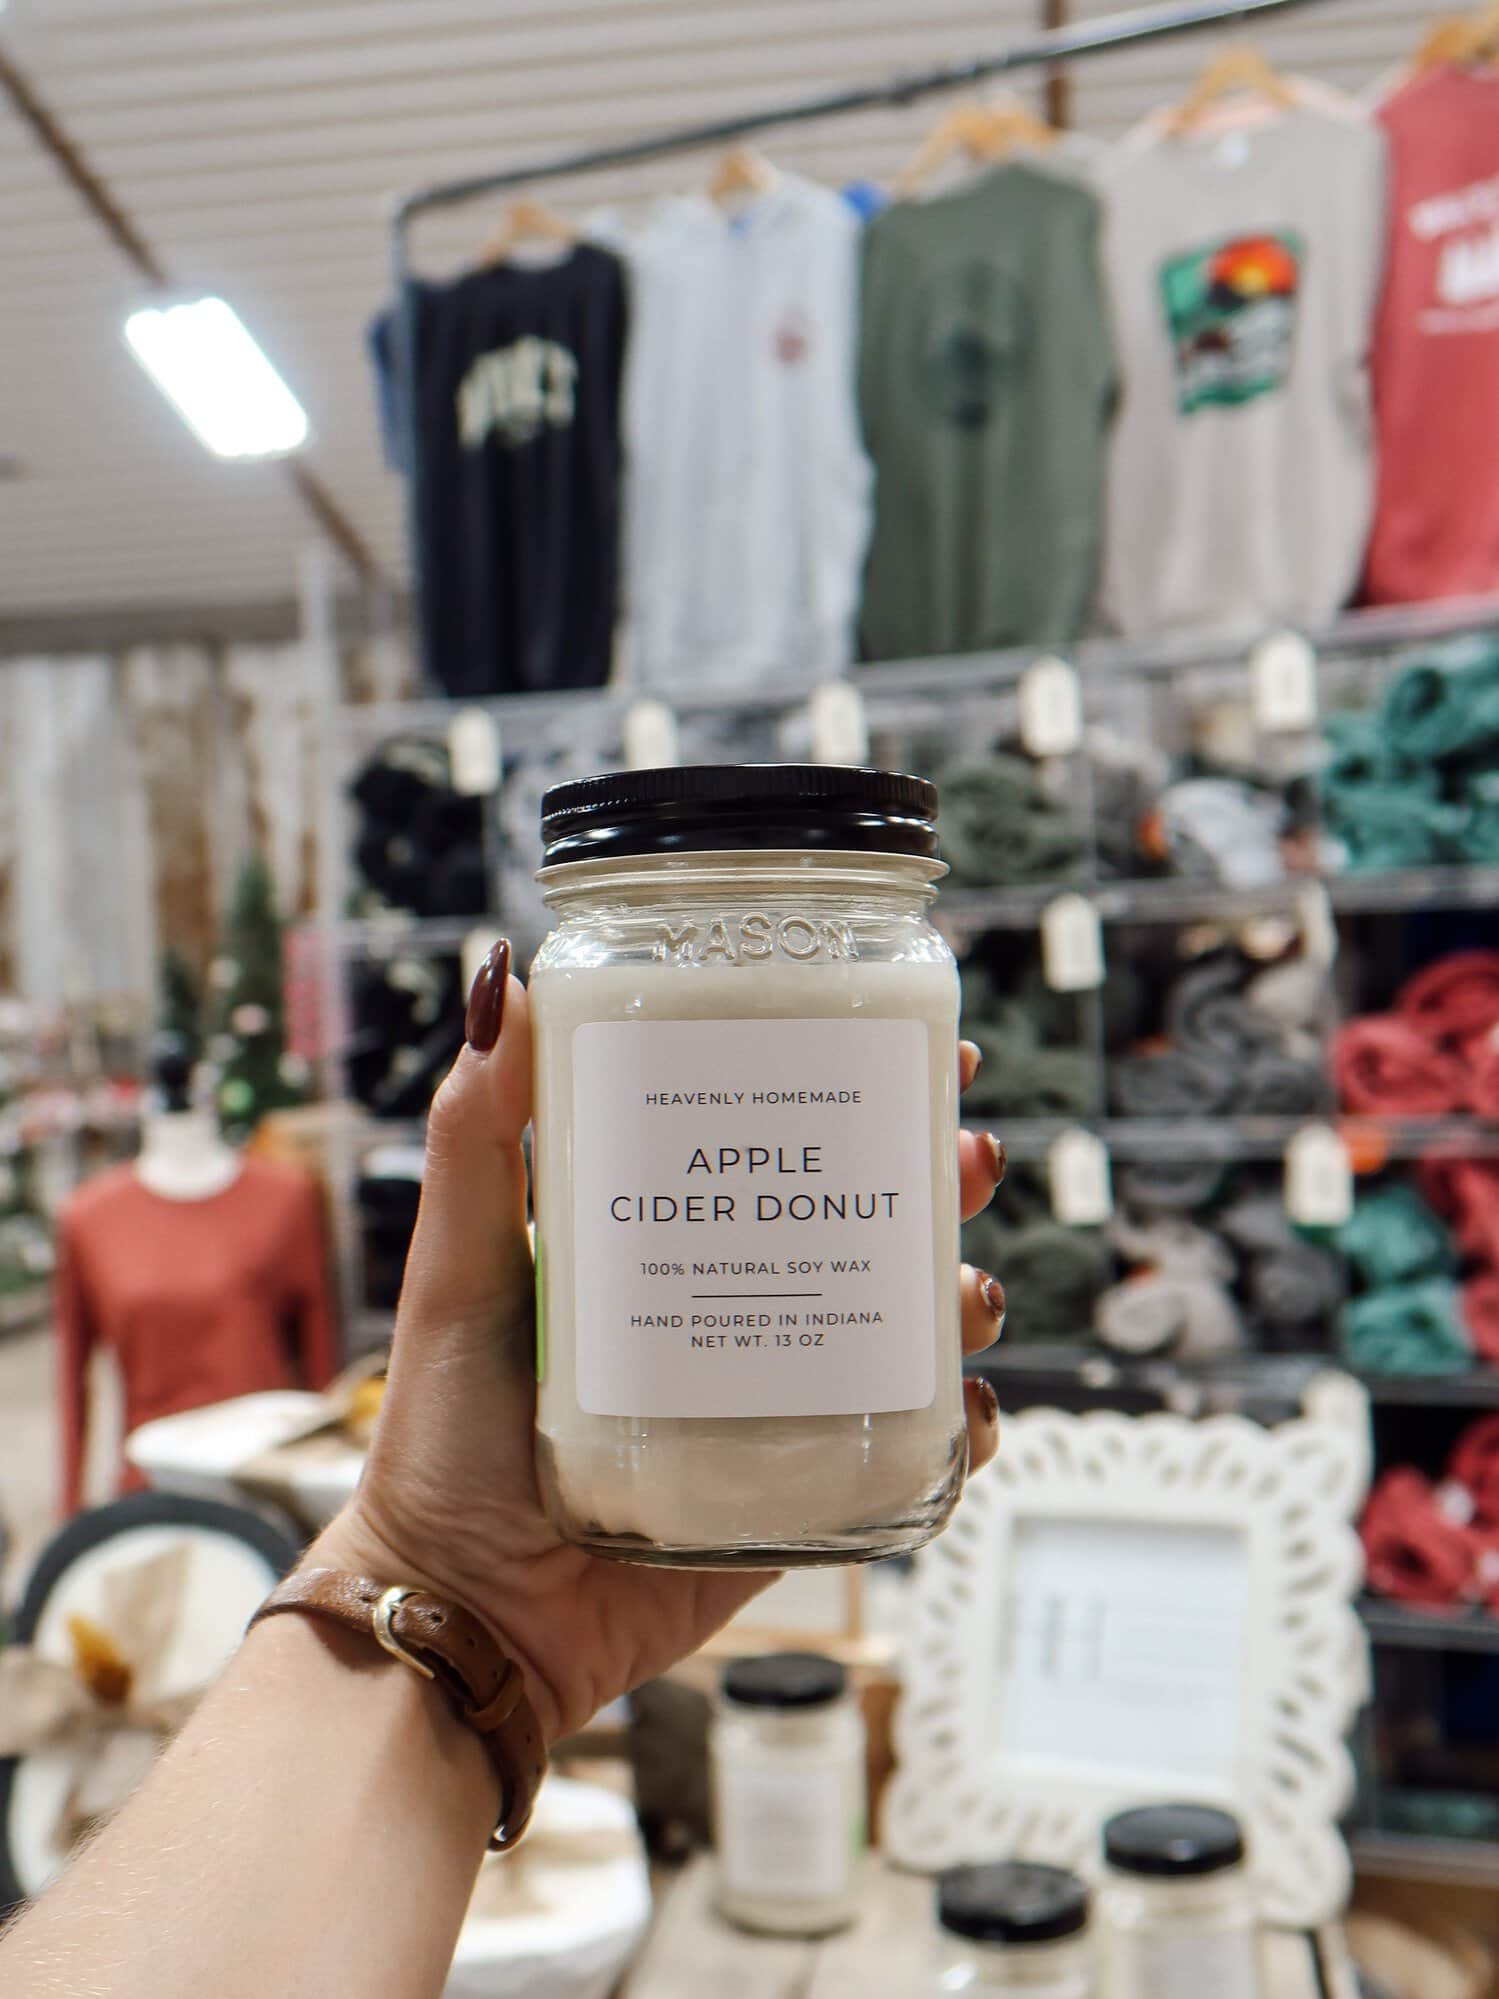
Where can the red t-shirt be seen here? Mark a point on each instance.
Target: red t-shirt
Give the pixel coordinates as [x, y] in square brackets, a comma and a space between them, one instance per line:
[199, 1300]
[1436, 347]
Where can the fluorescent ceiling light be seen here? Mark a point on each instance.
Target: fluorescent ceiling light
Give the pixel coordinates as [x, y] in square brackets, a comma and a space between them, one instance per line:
[205, 362]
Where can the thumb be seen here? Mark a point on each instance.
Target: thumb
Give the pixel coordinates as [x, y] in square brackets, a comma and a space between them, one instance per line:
[470, 1253]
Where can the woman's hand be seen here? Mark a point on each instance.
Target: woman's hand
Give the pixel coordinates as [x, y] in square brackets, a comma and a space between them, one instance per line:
[449, 1498]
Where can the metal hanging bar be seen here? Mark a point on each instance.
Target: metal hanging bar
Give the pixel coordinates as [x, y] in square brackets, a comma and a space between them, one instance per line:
[1110, 31]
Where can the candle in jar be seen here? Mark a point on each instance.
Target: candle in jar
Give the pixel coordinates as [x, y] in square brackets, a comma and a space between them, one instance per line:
[745, 1172]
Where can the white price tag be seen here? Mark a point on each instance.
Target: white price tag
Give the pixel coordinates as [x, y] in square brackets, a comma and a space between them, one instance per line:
[840, 727]
[650, 735]
[1051, 709]
[474, 752]
[1319, 930]
[1082, 1192]
[1319, 1178]
[1071, 945]
[476, 948]
[1283, 684]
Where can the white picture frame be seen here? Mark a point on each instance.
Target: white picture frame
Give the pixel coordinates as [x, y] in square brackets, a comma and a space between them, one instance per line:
[1126, 1610]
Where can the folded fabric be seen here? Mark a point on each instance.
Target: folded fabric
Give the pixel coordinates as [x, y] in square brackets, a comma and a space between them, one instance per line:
[1359, 754]
[1480, 1307]
[1294, 996]
[1294, 1290]
[1018, 1077]
[1392, 825]
[1478, 794]
[1466, 1192]
[1156, 1309]
[1174, 1082]
[1176, 1185]
[1385, 1066]
[1276, 1085]
[1392, 1237]
[1412, 1551]
[1474, 1465]
[1407, 1329]
[1256, 1223]
[1167, 1242]
[1051, 1274]
[1439, 1814]
[1431, 711]
[1225, 830]
[1453, 999]
[1207, 1012]
[1001, 825]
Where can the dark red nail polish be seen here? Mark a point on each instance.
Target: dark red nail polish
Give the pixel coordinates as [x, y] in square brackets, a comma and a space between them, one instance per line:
[998, 1157]
[988, 1401]
[486, 1002]
[993, 1294]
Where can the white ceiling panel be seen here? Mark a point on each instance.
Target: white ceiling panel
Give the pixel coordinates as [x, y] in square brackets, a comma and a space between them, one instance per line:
[255, 144]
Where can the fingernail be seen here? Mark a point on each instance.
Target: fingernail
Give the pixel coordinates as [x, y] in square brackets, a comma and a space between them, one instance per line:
[999, 1159]
[976, 1052]
[486, 1002]
[988, 1401]
[993, 1294]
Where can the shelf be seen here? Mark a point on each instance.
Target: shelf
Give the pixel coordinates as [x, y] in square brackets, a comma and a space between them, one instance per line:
[1173, 899]
[1084, 1364]
[1233, 1139]
[1403, 1856]
[1477, 1387]
[1397, 1625]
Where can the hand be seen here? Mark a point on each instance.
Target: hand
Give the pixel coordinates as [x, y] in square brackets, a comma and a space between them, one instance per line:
[449, 1500]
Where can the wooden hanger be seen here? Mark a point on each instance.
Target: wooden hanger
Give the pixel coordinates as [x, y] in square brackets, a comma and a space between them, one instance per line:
[1444, 43]
[984, 132]
[741, 173]
[526, 221]
[1237, 69]
[1481, 42]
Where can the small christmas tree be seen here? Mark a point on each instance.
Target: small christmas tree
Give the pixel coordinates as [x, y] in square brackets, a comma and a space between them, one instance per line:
[255, 1074]
[181, 1002]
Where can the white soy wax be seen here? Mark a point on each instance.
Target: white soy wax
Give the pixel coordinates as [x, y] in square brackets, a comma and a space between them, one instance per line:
[745, 1169]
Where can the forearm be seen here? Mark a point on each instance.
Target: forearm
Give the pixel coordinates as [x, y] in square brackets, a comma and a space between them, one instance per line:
[314, 1830]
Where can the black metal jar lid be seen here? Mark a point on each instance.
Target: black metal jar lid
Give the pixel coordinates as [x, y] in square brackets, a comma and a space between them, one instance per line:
[1173, 1840]
[707, 808]
[784, 1680]
[1012, 1902]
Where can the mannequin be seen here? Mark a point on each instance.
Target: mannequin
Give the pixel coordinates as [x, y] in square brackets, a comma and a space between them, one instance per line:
[182, 1155]
[203, 1272]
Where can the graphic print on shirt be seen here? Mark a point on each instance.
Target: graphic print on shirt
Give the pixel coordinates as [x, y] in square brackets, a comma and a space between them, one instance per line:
[516, 392]
[1466, 222]
[972, 339]
[1231, 312]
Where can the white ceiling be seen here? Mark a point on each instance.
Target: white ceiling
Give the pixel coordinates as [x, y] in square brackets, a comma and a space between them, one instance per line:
[255, 144]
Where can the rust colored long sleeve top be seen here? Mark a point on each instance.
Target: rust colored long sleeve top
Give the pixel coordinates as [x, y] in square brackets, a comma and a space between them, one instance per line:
[198, 1300]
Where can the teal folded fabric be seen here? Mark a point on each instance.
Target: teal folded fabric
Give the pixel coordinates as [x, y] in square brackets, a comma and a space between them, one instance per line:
[1431, 712]
[1393, 825]
[1407, 1329]
[1479, 794]
[1392, 1237]
[1019, 1077]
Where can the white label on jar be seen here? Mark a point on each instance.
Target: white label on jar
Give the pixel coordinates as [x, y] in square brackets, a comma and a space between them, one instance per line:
[1188, 1967]
[753, 1217]
[784, 1832]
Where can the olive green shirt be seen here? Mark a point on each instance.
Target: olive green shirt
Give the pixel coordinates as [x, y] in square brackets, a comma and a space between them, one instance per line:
[986, 378]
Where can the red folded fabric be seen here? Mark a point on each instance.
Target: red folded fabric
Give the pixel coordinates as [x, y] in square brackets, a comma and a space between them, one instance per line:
[1480, 1309]
[1466, 1192]
[1385, 1066]
[1474, 1465]
[1482, 1058]
[1453, 999]
[1412, 1552]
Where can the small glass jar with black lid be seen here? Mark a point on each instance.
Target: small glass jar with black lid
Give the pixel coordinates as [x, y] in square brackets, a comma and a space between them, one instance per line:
[1017, 1929]
[1176, 1910]
[746, 1167]
[787, 1754]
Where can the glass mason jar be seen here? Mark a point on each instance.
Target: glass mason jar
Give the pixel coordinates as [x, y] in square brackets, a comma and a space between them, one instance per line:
[1016, 1929]
[788, 1760]
[1176, 1911]
[745, 1174]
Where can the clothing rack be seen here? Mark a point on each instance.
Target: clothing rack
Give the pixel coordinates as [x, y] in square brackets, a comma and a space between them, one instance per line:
[1111, 31]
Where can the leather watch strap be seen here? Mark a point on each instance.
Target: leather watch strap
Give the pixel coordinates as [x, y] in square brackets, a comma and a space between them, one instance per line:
[450, 1646]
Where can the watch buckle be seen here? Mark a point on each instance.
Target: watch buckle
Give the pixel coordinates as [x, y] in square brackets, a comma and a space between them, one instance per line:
[389, 1603]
